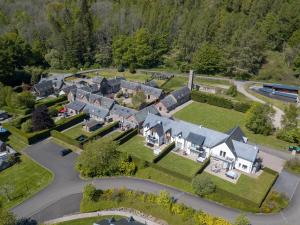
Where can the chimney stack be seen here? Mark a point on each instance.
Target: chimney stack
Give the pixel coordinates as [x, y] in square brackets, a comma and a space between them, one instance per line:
[191, 80]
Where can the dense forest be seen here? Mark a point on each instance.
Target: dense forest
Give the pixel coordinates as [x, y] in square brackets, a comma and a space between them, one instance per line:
[231, 37]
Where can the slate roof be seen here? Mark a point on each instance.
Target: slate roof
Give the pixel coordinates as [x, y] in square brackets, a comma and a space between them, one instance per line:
[76, 105]
[104, 102]
[152, 83]
[245, 151]
[169, 102]
[122, 111]
[146, 89]
[92, 123]
[181, 93]
[68, 89]
[283, 86]
[44, 85]
[195, 139]
[96, 111]
[183, 128]
[114, 82]
[141, 115]
[98, 79]
[237, 134]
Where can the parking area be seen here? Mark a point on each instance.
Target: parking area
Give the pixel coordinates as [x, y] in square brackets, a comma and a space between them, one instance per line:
[287, 183]
[271, 161]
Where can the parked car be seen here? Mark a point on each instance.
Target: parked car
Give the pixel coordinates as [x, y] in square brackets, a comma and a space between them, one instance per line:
[65, 152]
[294, 148]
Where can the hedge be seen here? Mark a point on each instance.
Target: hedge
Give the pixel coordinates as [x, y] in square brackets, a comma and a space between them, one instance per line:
[219, 101]
[164, 152]
[203, 166]
[51, 102]
[276, 174]
[17, 111]
[104, 130]
[61, 136]
[122, 134]
[31, 138]
[127, 137]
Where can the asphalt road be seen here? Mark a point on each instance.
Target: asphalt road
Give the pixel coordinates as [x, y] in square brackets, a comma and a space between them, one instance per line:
[62, 197]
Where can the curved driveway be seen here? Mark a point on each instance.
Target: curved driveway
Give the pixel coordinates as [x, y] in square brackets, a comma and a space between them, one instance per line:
[63, 196]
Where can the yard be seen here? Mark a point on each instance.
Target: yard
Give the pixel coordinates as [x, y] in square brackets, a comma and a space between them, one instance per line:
[222, 119]
[179, 164]
[76, 131]
[23, 179]
[136, 147]
[253, 189]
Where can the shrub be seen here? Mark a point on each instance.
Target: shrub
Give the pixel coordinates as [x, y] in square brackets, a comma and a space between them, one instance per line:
[241, 106]
[132, 68]
[203, 185]
[127, 168]
[164, 199]
[232, 91]
[242, 220]
[89, 192]
[51, 102]
[289, 135]
[27, 126]
[121, 68]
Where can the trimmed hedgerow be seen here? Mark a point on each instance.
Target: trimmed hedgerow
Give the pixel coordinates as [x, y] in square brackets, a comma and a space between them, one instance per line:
[61, 136]
[51, 102]
[164, 152]
[104, 130]
[126, 137]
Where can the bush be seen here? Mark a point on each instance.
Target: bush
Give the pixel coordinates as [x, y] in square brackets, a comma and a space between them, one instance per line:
[211, 99]
[232, 91]
[121, 68]
[65, 123]
[242, 220]
[164, 152]
[27, 126]
[289, 135]
[90, 192]
[132, 68]
[241, 106]
[203, 185]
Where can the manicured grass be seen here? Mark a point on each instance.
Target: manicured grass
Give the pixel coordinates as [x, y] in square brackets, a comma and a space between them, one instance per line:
[163, 178]
[253, 189]
[25, 179]
[222, 119]
[179, 164]
[136, 147]
[87, 221]
[175, 83]
[76, 131]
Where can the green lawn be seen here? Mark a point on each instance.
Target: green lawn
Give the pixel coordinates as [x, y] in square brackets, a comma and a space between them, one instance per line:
[24, 179]
[175, 83]
[87, 221]
[136, 147]
[179, 164]
[76, 131]
[222, 119]
[253, 189]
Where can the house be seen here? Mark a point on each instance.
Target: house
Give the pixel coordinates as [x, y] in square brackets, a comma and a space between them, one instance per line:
[123, 221]
[121, 113]
[67, 89]
[136, 120]
[173, 100]
[107, 86]
[44, 88]
[151, 93]
[5, 153]
[91, 125]
[199, 142]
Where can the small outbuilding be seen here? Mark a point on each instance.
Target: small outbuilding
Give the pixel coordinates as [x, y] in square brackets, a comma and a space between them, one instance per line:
[92, 125]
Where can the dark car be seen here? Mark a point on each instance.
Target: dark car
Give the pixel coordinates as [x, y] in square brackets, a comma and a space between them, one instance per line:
[65, 152]
[294, 148]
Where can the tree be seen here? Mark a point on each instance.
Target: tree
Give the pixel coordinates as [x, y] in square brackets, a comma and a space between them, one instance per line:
[5, 95]
[232, 91]
[289, 120]
[41, 119]
[203, 185]
[27, 126]
[208, 59]
[138, 99]
[99, 159]
[132, 68]
[25, 100]
[259, 119]
[242, 220]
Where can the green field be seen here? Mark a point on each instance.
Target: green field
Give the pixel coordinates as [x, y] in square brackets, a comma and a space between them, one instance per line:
[253, 189]
[222, 119]
[87, 221]
[136, 147]
[179, 164]
[24, 179]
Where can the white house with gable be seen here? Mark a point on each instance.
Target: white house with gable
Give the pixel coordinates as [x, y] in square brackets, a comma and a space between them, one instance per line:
[230, 148]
